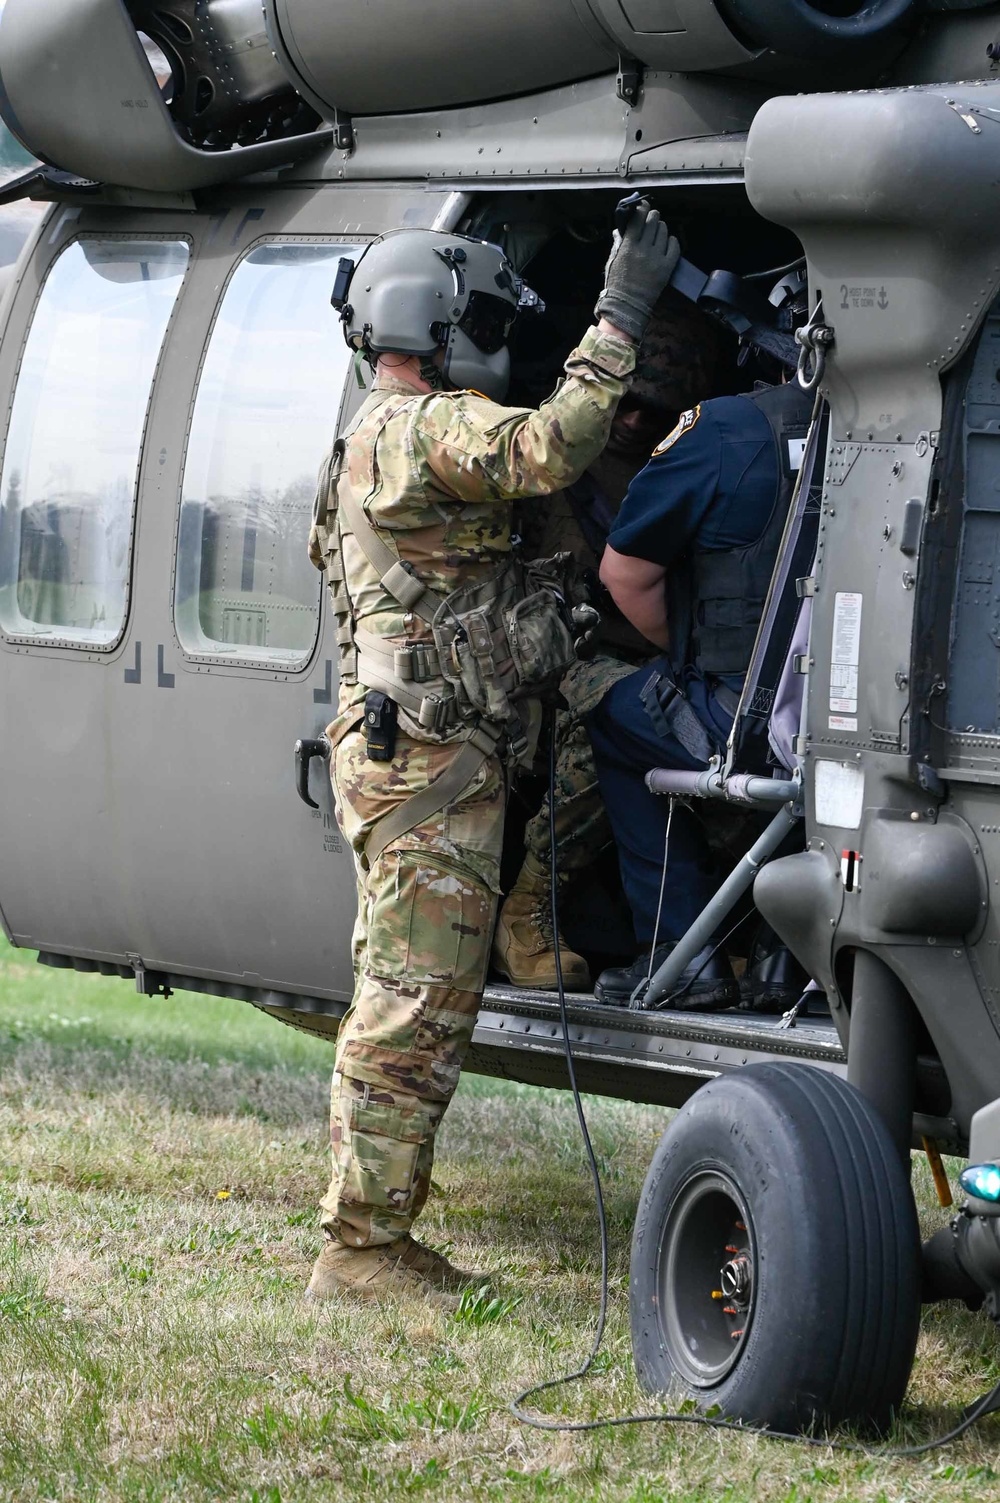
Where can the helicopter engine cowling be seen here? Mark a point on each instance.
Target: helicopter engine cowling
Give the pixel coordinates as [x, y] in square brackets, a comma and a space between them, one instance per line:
[381, 56]
[78, 91]
[247, 83]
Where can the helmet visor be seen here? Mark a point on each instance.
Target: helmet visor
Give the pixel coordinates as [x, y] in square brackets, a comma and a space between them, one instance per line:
[488, 321]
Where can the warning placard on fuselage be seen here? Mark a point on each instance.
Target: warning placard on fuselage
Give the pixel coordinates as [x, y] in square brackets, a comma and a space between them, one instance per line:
[844, 659]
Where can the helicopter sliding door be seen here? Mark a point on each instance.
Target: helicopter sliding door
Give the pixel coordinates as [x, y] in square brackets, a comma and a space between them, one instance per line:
[98, 315]
[164, 639]
[244, 884]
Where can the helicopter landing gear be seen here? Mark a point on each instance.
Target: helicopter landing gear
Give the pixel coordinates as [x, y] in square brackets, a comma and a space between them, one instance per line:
[776, 1257]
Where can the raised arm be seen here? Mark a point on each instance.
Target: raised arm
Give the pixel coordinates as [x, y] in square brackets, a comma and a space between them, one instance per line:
[512, 454]
[480, 449]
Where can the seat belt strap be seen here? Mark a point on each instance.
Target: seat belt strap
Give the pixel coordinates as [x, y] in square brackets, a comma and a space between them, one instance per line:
[727, 698]
[672, 715]
[422, 806]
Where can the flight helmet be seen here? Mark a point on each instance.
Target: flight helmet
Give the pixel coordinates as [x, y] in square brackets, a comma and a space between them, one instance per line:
[414, 292]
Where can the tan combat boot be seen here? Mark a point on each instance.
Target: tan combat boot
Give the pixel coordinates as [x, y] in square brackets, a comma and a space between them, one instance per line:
[523, 948]
[438, 1271]
[402, 1267]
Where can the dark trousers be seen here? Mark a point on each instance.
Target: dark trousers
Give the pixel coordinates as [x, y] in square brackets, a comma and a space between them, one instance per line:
[626, 746]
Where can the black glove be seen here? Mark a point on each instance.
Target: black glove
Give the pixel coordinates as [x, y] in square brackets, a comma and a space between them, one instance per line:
[640, 265]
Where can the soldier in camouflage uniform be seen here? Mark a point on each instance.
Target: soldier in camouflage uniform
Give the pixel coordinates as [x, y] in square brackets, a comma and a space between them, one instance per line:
[418, 501]
[677, 365]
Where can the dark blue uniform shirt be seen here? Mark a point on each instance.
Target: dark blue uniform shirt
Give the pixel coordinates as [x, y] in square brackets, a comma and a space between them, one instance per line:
[710, 487]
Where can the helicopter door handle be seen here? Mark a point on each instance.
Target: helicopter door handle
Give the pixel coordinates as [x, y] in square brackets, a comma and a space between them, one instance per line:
[305, 750]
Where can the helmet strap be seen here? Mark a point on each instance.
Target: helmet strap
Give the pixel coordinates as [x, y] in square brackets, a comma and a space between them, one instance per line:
[433, 375]
[360, 356]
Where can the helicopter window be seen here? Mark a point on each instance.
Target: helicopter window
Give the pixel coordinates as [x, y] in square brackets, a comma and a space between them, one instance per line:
[265, 411]
[68, 483]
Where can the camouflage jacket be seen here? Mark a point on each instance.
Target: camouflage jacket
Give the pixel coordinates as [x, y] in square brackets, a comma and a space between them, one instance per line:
[438, 474]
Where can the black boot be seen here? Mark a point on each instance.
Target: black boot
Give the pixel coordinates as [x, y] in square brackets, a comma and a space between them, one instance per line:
[774, 981]
[707, 984]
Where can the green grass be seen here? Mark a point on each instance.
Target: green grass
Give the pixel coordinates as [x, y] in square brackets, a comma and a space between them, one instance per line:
[160, 1162]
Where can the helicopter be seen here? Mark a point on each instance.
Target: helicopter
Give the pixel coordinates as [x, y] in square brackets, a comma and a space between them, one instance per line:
[174, 372]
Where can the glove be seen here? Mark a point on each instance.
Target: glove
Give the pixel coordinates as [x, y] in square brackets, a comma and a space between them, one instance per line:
[640, 265]
[586, 620]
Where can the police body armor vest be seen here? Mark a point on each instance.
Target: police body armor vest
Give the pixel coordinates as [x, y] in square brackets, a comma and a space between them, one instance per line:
[498, 644]
[716, 599]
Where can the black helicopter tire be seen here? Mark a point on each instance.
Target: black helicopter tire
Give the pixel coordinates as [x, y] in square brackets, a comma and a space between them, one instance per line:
[775, 1271]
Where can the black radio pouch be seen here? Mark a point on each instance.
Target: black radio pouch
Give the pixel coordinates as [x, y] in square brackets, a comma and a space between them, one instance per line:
[380, 726]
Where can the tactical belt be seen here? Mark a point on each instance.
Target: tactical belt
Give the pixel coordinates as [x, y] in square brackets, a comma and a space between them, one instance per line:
[400, 672]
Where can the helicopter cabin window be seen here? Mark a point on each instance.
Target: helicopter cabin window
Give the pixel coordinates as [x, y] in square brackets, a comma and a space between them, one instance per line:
[265, 412]
[68, 484]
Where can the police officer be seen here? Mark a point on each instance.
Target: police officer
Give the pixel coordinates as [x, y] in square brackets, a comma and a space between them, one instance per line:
[442, 643]
[689, 562]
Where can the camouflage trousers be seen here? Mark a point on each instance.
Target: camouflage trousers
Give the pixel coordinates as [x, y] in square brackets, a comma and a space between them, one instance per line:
[426, 910]
[582, 826]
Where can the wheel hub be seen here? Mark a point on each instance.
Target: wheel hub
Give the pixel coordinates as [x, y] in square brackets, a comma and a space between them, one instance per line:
[707, 1278]
[736, 1278]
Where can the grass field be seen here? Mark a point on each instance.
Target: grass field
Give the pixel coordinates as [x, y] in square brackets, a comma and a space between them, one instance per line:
[159, 1168]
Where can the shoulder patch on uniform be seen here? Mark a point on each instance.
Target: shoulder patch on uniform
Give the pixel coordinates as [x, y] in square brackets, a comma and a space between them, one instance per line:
[685, 423]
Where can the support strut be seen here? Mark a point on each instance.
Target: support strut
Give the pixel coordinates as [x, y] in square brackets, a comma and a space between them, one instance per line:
[716, 910]
[882, 1050]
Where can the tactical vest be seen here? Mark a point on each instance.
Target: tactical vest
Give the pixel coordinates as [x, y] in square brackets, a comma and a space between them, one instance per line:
[715, 600]
[495, 644]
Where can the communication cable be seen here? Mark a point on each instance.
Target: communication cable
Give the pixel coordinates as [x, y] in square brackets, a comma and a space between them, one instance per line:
[974, 1412]
[663, 885]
